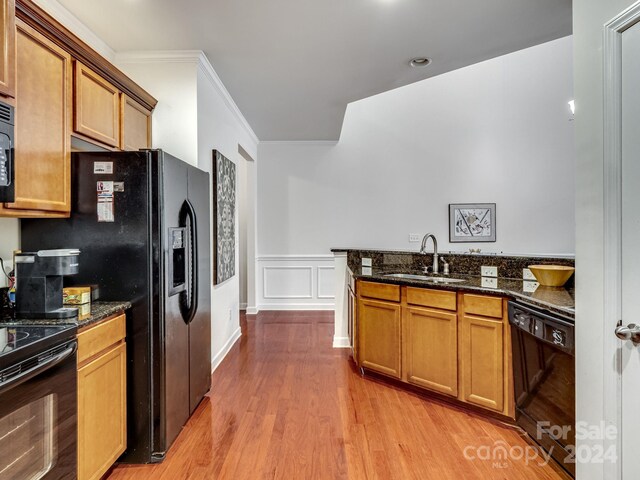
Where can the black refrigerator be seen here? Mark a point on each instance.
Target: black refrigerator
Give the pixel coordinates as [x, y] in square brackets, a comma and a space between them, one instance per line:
[141, 222]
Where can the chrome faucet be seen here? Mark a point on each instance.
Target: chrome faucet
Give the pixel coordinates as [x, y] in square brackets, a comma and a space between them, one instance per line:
[435, 250]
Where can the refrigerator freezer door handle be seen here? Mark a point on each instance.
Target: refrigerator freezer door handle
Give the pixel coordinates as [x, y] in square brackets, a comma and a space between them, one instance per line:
[189, 298]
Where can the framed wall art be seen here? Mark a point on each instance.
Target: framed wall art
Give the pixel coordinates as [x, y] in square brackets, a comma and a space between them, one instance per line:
[224, 224]
[472, 222]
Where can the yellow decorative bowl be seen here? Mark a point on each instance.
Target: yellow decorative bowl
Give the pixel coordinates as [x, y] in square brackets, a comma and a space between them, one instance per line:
[552, 275]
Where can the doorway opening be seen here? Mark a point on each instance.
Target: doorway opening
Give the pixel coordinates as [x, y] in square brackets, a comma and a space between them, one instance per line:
[246, 229]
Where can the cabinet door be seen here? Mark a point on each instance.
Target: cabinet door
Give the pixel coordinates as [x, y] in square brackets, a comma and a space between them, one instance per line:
[432, 349]
[482, 362]
[7, 48]
[43, 121]
[102, 422]
[136, 125]
[96, 107]
[379, 336]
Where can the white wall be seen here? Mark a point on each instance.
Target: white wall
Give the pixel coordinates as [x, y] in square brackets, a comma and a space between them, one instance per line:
[9, 241]
[219, 128]
[195, 115]
[172, 80]
[498, 131]
[596, 401]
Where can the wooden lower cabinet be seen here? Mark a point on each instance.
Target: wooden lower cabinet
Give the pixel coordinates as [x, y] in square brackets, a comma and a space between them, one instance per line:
[431, 345]
[453, 343]
[379, 336]
[482, 362]
[102, 398]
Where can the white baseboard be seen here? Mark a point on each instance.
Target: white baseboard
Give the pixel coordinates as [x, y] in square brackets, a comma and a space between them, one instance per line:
[252, 310]
[296, 306]
[243, 306]
[217, 360]
[341, 342]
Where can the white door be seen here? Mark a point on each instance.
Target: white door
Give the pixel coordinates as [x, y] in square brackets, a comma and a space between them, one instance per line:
[630, 252]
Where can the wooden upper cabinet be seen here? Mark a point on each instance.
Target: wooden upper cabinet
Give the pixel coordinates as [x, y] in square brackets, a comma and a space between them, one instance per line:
[43, 127]
[135, 125]
[7, 48]
[431, 345]
[96, 107]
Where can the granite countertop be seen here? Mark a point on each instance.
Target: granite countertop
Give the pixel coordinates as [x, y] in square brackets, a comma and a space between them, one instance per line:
[559, 300]
[99, 311]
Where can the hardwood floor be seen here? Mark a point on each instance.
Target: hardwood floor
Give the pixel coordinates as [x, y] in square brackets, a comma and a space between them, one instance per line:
[286, 405]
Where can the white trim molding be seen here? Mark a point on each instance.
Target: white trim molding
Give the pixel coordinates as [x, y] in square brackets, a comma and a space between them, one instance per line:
[341, 310]
[341, 342]
[69, 20]
[294, 282]
[612, 89]
[302, 143]
[203, 64]
[219, 357]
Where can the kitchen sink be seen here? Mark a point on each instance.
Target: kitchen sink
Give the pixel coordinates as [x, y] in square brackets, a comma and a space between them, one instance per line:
[410, 276]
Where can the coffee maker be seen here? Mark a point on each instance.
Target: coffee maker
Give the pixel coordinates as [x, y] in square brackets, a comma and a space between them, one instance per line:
[39, 282]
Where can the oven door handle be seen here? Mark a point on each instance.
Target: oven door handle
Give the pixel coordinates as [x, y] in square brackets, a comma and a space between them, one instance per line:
[38, 369]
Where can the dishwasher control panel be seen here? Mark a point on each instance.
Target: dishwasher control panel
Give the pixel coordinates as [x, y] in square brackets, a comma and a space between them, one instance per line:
[553, 329]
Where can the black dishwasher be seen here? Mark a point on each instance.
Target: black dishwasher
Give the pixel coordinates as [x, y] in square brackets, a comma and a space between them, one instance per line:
[544, 379]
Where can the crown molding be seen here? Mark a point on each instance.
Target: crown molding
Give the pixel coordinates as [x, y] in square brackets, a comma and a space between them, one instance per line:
[301, 143]
[198, 58]
[69, 20]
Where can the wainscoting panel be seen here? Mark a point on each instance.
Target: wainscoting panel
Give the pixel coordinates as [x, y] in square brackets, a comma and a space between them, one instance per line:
[326, 281]
[295, 282]
[291, 281]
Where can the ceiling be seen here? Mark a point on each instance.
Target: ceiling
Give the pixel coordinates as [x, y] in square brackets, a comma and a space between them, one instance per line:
[292, 66]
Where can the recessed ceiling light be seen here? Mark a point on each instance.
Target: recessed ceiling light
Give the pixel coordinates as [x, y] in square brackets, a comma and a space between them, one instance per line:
[420, 62]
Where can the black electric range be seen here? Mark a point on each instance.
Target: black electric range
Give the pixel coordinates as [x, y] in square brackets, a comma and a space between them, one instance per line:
[19, 342]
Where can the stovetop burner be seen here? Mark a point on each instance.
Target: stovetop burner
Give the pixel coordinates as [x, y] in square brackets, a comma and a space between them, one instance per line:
[21, 341]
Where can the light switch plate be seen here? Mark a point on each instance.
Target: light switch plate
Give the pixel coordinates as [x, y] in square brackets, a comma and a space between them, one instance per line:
[488, 271]
[414, 237]
[527, 274]
[366, 262]
[367, 271]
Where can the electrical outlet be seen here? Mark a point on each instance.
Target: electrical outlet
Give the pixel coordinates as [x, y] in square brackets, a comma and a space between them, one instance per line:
[366, 262]
[489, 282]
[488, 271]
[529, 286]
[414, 237]
[367, 271]
[527, 274]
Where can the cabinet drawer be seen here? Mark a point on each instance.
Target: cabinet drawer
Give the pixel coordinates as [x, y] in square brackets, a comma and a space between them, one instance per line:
[98, 338]
[431, 298]
[382, 291]
[483, 305]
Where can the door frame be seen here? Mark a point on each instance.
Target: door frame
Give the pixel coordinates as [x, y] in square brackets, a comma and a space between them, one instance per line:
[612, 268]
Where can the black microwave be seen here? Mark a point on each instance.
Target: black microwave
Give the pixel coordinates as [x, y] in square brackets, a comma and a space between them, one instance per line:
[7, 176]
